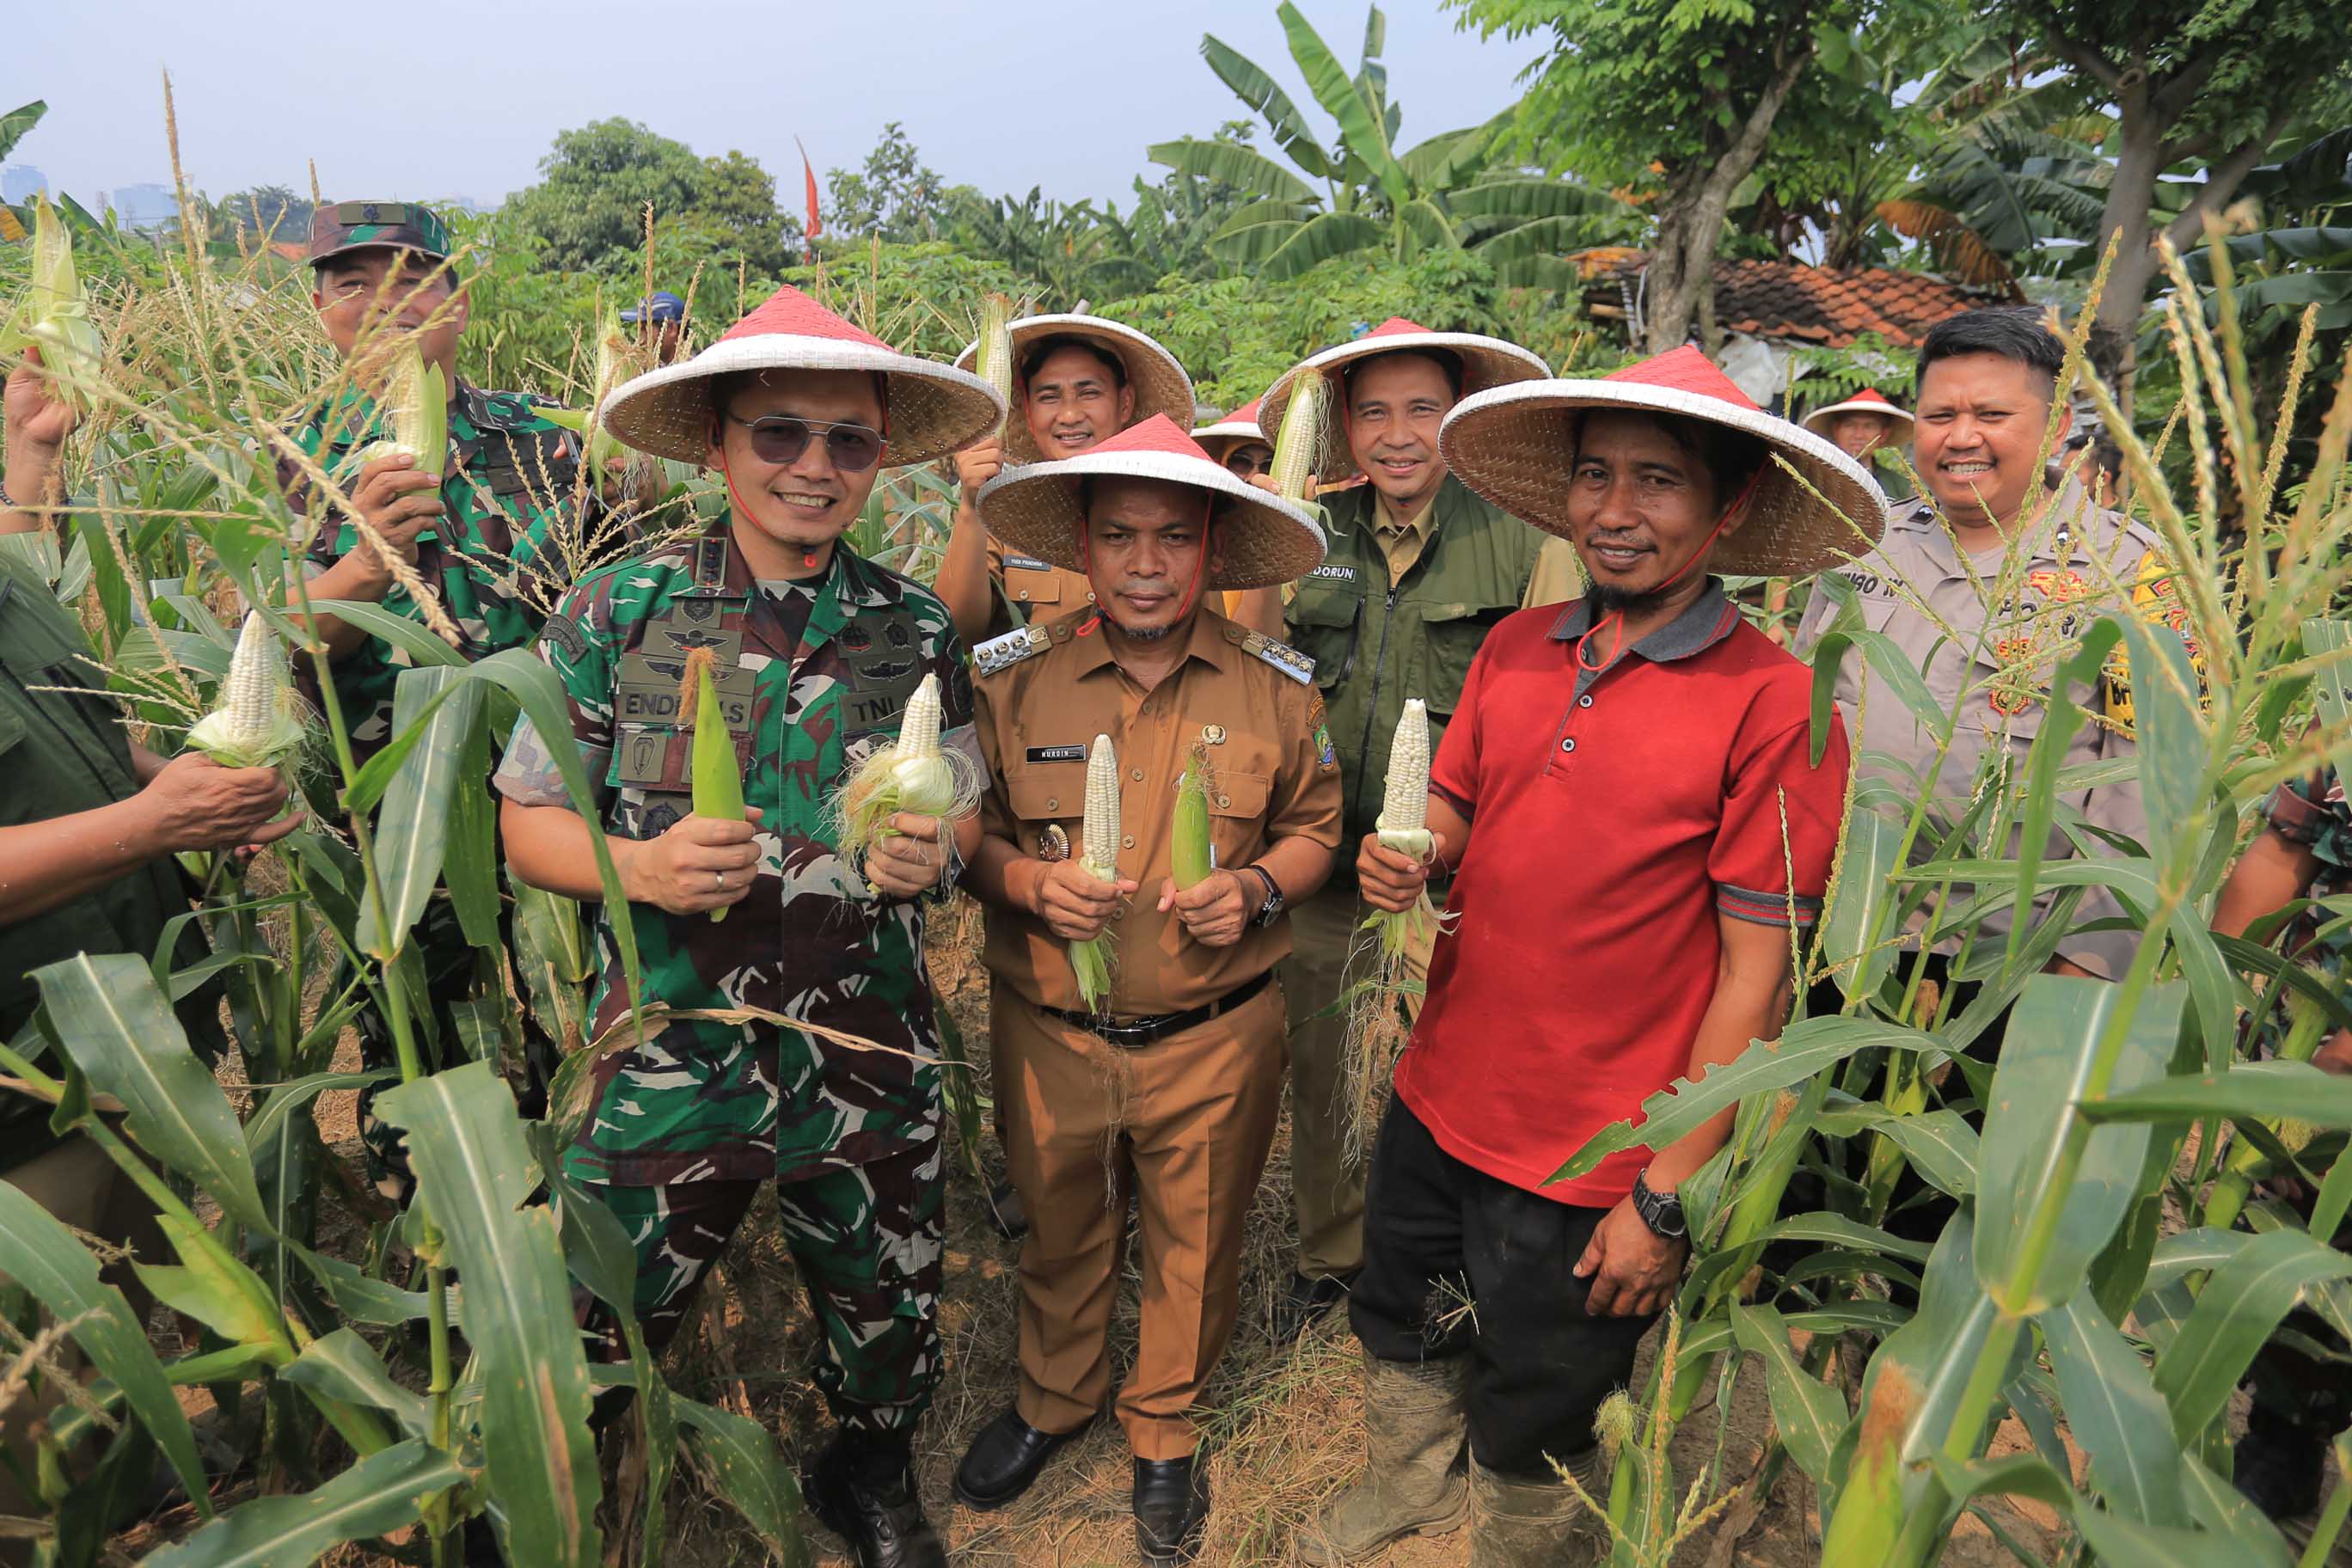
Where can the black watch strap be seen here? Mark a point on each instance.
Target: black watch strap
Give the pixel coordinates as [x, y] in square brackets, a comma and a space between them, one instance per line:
[1273, 906]
[1661, 1213]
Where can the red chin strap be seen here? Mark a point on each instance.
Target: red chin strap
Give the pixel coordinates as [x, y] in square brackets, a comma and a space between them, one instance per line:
[1192, 594]
[1615, 619]
[743, 508]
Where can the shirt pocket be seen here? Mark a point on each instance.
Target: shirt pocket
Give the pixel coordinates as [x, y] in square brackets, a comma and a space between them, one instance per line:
[1237, 811]
[1323, 623]
[1034, 585]
[1041, 797]
[1452, 635]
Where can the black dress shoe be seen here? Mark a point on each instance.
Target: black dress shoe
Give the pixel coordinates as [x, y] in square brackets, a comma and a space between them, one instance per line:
[862, 1488]
[1004, 1211]
[1004, 1459]
[1307, 1302]
[1172, 1507]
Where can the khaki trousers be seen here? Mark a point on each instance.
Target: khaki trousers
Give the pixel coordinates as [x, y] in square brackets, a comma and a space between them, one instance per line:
[1326, 1189]
[1186, 1123]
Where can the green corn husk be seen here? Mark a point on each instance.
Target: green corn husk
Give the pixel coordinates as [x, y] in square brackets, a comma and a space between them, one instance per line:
[995, 360]
[1377, 1004]
[913, 774]
[1191, 855]
[717, 786]
[53, 315]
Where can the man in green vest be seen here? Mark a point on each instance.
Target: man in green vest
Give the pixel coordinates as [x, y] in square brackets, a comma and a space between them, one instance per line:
[89, 825]
[1419, 569]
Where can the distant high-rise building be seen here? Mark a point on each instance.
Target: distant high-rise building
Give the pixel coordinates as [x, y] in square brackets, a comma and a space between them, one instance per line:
[21, 182]
[146, 206]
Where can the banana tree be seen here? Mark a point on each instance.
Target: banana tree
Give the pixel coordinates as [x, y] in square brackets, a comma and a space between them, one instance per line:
[1355, 192]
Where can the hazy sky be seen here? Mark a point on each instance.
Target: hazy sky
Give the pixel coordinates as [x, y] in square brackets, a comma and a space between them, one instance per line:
[463, 99]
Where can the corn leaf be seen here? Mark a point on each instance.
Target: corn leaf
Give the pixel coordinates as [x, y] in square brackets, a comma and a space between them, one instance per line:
[113, 1022]
[1808, 1414]
[473, 1172]
[41, 1254]
[740, 1462]
[2054, 1038]
[378, 1495]
[2236, 1311]
[342, 1366]
[2270, 1089]
[413, 826]
[2114, 1411]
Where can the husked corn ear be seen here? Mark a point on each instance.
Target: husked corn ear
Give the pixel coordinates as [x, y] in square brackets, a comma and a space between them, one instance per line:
[1191, 860]
[914, 773]
[257, 723]
[1403, 822]
[717, 786]
[1098, 846]
[1300, 438]
[994, 361]
[918, 728]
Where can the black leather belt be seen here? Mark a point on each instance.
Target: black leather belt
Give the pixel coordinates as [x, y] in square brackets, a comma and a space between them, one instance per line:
[1130, 1033]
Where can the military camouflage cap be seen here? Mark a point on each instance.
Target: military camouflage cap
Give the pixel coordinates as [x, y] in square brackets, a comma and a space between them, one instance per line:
[339, 228]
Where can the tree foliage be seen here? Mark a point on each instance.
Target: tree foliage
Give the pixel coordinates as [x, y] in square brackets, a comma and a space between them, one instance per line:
[588, 209]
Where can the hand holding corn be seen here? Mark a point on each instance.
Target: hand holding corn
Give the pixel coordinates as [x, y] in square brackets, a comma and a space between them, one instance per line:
[1075, 904]
[38, 420]
[697, 864]
[193, 802]
[400, 502]
[906, 862]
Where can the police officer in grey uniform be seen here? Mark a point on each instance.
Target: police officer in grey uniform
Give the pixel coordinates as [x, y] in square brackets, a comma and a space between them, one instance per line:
[1987, 607]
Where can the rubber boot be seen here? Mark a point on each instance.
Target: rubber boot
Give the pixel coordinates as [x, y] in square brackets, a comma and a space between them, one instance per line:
[1537, 1522]
[1413, 1430]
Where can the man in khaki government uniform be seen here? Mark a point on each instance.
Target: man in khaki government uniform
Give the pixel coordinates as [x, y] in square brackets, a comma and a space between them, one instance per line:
[1177, 1077]
[2020, 573]
[1420, 569]
[1076, 382]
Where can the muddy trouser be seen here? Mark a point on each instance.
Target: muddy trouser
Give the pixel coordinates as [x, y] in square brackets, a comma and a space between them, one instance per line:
[1457, 1262]
[1185, 1123]
[867, 1241]
[1326, 1189]
[455, 972]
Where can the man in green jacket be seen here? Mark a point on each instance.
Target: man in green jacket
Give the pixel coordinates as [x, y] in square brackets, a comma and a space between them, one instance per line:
[1419, 569]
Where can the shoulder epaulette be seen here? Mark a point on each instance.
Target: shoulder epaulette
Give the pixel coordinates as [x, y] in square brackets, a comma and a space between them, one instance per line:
[1280, 655]
[1003, 653]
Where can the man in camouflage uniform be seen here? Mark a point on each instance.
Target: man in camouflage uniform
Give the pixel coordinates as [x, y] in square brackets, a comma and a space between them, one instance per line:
[2304, 851]
[817, 653]
[481, 541]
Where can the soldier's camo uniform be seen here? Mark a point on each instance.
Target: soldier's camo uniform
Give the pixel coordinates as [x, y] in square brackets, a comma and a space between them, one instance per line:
[678, 1133]
[511, 477]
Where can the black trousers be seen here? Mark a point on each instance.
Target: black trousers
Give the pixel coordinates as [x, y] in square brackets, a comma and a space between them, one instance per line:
[1459, 1263]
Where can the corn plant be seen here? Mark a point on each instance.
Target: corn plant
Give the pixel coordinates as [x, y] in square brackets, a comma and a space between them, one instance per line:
[2057, 1294]
[439, 1377]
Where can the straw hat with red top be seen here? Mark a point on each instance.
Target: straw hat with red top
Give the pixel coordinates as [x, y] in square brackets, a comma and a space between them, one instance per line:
[1486, 362]
[1515, 445]
[1241, 425]
[929, 409]
[1869, 400]
[1040, 509]
[1159, 382]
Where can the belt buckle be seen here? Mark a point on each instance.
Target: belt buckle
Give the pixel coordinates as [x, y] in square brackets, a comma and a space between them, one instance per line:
[1126, 1036]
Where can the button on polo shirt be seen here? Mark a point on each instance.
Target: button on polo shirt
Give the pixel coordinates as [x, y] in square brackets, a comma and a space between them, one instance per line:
[1615, 815]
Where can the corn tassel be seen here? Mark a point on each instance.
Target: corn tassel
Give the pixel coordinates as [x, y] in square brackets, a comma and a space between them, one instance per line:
[718, 786]
[913, 774]
[1099, 853]
[1191, 857]
[53, 315]
[1377, 1029]
[258, 723]
[995, 360]
[1301, 440]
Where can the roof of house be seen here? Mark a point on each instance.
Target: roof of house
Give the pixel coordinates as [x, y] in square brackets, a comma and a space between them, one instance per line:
[1822, 306]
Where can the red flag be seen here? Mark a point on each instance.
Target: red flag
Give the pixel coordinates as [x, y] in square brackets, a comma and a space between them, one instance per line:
[815, 222]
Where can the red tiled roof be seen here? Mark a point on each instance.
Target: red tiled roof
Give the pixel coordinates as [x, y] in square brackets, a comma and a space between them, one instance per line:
[1818, 305]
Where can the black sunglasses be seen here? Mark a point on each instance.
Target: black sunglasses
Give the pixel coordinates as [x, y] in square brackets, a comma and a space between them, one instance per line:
[781, 439]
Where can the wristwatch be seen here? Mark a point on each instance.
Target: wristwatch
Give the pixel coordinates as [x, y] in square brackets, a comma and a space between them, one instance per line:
[1663, 1215]
[1270, 911]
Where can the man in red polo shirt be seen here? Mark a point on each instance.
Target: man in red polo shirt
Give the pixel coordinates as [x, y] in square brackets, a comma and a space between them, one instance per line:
[1627, 799]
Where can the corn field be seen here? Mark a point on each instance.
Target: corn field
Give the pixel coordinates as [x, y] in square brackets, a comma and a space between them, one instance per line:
[2092, 1281]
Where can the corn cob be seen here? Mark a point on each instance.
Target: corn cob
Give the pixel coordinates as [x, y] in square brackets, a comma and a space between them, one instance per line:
[1301, 440]
[1099, 853]
[717, 786]
[258, 723]
[1376, 1004]
[1191, 857]
[995, 360]
[52, 315]
[612, 367]
[914, 773]
[415, 407]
